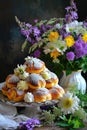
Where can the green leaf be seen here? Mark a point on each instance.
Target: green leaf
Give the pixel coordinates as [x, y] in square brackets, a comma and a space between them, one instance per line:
[24, 45]
[62, 124]
[33, 47]
[77, 123]
[63, 118]
[70, 119]
[41, 22]
[52, 20]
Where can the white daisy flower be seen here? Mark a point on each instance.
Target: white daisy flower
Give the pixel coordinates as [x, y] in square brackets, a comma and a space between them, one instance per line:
[20, 71]
[69, 103]
[59, 45]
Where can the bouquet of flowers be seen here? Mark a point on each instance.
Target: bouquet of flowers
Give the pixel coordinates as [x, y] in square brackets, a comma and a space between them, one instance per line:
[64, 40]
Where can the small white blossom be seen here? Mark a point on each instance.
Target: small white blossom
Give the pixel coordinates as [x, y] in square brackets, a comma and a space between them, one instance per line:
[60, 46]
[20, 71]
[58, 25]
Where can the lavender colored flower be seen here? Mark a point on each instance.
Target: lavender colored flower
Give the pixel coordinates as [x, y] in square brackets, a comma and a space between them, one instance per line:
[80, 48]
[71, 13]
[74, 15]
[48, 26]
[73, 4]
[25, 32]
[70, 56]
[63, 32]
[32, 34]
[43, 28]
[29, 124]
[28, 25]
[37, 53]
[36, 20]
[36, 31]
[68, 8]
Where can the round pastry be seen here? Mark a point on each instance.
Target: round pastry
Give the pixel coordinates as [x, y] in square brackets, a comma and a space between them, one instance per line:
[52, 81]
[36, 81]
[41, 95]
[46, 74]
[12, 80]
[56, 92]
[59, 88]
[34, 65]
[16, 95]
[4, 90]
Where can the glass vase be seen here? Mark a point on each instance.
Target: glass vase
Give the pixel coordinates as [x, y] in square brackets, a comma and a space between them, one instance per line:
[74, 79]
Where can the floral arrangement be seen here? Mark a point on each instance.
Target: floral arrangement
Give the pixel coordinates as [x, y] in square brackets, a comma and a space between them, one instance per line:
[63, 40]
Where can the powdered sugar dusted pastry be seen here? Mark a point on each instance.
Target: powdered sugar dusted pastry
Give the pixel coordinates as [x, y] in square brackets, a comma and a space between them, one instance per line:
[34, 65]
[12, 80]
[29, 97]
[36, 81]
[56, 92]
[32, 82]
[16, 95]
[41, 95]
[4, 90]
[46, 74]
[52, 81]
[59, 88]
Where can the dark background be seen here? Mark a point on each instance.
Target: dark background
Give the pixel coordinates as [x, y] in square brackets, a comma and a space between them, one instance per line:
[26, 10]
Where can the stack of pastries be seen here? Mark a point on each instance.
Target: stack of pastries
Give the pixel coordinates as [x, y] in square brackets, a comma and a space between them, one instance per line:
[32, 82]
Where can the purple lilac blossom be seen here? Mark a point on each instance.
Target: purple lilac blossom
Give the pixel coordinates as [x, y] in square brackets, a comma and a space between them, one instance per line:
[48, 26]
[70, 56]
[28, 25]
[71, 13]
[35, 20]
[80, 48]
[36, 31]
[44, 28]
[32, 34]
[29, 124]
[74, 15]
[62, 32]
[25, 32]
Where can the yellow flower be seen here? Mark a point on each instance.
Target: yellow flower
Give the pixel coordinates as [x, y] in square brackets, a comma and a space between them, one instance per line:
[67, 103]
[69, 41]
[53, 36]
[84, 37]
[55, 54]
